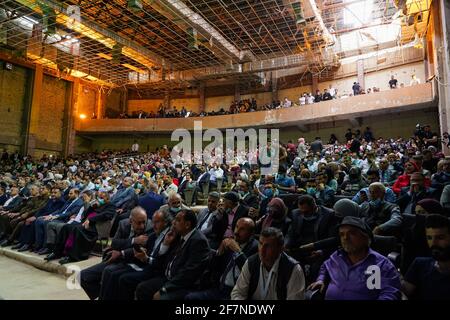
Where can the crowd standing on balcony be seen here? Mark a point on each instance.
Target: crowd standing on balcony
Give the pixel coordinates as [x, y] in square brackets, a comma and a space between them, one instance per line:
[250, 105]
[313, 229]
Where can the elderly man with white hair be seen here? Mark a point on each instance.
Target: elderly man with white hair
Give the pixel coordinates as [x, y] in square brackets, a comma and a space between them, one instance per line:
[384, 218]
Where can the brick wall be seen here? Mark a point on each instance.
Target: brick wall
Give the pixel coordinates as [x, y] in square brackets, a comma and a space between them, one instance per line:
[13, 95]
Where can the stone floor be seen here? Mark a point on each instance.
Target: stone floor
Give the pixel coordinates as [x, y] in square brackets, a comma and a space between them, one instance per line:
[20, 281]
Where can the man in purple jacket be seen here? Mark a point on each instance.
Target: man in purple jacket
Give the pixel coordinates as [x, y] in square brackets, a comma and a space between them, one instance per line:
[356, 272]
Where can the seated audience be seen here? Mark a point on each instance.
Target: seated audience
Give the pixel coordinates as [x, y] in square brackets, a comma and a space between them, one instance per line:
[271, 274]
[349, 273]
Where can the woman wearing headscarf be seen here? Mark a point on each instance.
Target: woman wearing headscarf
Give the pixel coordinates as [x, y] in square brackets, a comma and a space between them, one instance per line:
[403, 180]
[275, 217]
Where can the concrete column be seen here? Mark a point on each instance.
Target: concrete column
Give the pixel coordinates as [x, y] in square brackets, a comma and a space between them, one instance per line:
[166, 102]
[274, 88]
[237, 92]
[35, 107]
[315, 84]
[360, 72]
[202, 98]
[100, 98]
[441, 12]
[71, 118]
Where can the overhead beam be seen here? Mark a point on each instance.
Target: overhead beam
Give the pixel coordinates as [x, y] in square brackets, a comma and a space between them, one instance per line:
[95, 32]
[180, 14]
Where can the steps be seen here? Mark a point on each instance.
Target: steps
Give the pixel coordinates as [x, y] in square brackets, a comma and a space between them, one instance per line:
[38, 262]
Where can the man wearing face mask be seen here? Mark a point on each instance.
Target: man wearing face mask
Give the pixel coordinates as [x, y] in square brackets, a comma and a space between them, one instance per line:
[229, 215]
[84, 235]
[429, 278]
[174, 204]
[310, 223]
[382, 217]
[134, 231]
[414, 193]
[276, 217]
[353, 183]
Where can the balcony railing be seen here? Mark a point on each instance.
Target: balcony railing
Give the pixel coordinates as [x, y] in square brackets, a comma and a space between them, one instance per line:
[385, 102]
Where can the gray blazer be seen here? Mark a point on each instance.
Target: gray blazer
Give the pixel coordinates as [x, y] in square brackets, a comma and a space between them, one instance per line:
[202, 216]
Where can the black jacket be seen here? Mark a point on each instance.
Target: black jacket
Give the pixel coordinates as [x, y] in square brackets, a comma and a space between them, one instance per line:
[325, 227]
[15, 203]
[221, 224]
[124, 235]
[188, 262]
[222, 263]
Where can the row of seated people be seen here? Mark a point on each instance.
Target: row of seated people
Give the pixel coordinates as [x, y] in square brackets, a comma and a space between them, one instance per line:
[75, 241]
[224, 253]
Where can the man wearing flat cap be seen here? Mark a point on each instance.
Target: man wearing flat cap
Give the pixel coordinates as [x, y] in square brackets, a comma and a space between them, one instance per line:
[356, 272]
[232, 211]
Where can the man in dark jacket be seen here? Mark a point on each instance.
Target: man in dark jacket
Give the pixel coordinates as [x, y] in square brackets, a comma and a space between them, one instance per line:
[228, 261]
[134, 231]
[151, 201]
[9, 222]
[14, 201]
[417, 191]
[28, 234]
[310, 223]
[228, 217]
[186, 264]
[382, 217]
[83, 235]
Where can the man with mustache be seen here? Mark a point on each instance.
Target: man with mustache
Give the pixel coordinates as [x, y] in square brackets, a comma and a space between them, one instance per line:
[346, 275]
[428, 278]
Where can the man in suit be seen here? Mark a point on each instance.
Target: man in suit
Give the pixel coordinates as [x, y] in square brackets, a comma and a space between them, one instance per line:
[151, 201]
[174, 204]
[417, 191]
[203, 178]
[310, 223]
[141, 265]
[3, 195]
[28, 234]
[124, 194]
[228, 261]
[13, 201]
[228, 217]
[248, 198]
[207, 217]
[134, 231]
[9, 222]
[48, 227]
[185, 266]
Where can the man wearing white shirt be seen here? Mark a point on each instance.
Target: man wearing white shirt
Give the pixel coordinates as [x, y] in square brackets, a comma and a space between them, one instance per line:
[214, 173]
[414, 80]
[287, 103]
[135, 147]
[14, 193]
[271, 274]
[302, 100]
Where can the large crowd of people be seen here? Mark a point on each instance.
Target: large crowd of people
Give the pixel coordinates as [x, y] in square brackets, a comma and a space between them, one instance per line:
[315, 230]
[250, 105]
